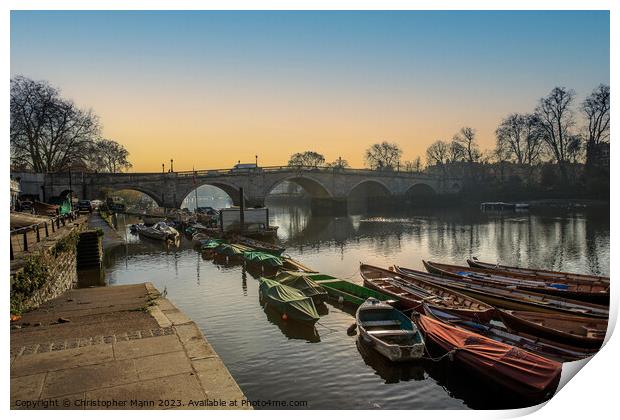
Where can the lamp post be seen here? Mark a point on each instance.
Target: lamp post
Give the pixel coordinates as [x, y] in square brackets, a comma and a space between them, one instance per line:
[70, 188]
[256, 157]
[162, 168]
[171, 167]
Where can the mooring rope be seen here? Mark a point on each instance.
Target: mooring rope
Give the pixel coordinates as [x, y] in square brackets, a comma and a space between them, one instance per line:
[331, 330]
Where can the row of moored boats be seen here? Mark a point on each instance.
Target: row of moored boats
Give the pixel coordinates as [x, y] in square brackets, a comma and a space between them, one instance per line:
[513, 325]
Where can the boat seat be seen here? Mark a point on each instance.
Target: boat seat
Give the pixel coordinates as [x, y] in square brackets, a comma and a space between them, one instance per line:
[379, 333]
[383, 323]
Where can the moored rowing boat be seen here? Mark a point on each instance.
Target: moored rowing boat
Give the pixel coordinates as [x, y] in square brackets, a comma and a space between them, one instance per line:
[543, 347]
[586, 291]
[389, 331]
[573, 330]
[414, 292]
[302, 282]
[528, 375]
[509, 298]
[540, 273]
[288, 301]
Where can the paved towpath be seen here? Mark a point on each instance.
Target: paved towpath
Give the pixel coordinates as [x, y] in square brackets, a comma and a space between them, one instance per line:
[118, 347]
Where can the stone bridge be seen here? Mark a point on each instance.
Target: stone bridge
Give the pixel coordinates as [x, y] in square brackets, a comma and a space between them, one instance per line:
[327, 187]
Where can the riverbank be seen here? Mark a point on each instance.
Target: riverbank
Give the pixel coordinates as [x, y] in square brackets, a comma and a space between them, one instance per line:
[119, 347]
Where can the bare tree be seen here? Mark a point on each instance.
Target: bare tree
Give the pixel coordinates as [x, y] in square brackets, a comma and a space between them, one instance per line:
[456, 152]
[518, 139]
[437, 153]
[466, 137]
[307, 159]
[382, 156]
[596, 108]
[575, 149]
[109, 156]
[339, 164]
[48, 132]
[555, 121]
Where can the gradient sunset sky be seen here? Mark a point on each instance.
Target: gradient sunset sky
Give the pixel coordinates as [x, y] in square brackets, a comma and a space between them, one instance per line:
[211, 88]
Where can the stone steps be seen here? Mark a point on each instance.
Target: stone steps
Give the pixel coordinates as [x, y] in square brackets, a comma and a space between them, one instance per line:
[88, 250]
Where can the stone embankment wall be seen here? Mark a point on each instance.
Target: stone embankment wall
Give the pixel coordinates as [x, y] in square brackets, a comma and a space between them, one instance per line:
[46, 272]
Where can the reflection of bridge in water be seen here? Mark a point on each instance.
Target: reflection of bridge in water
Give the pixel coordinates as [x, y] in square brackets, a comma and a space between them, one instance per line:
[329, 188]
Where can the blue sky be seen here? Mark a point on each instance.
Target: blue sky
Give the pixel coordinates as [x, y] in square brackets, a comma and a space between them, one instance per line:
[308, 79]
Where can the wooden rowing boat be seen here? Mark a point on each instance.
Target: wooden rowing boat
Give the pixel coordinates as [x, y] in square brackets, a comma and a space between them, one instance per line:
[347, 292]
[290, 264]
[287, 300]
[412, 293]
[344, 291]
[510, 298]
[586, 291]
[540, 273]
[258, 245]
[523, 373]
[302, 282]
[543, 347]
[389, 331]
[573, 330]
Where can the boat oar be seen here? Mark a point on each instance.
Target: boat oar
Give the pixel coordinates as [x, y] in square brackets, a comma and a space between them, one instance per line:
[352, 329]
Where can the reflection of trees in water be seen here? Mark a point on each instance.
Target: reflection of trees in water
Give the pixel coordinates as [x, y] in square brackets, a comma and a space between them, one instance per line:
[561, 241]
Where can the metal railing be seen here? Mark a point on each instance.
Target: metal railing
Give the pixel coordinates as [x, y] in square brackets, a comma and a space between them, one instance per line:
[261, 169]
[286, 168]
[24, 237]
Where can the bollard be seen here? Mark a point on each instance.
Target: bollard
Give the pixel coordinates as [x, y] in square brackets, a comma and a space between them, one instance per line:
[53, 227]
[25, 240]
[47, 233]
[12, 256]
[38, 234]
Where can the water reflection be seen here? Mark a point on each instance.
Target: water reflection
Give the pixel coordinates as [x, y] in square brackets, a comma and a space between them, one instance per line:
[391, 373]
[270, 357]
[290, 328]
[573, 241]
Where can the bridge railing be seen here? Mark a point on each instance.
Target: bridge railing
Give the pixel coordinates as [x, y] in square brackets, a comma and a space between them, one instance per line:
[286, 168]
[24, 237]
[268, 169]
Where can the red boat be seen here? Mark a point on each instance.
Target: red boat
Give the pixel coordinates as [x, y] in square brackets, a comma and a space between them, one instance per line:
[531, 376]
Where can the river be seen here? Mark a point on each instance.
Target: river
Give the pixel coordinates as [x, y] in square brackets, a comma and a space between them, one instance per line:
[324, 366]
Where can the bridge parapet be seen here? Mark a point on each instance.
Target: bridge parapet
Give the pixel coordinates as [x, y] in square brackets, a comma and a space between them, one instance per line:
[170, 189]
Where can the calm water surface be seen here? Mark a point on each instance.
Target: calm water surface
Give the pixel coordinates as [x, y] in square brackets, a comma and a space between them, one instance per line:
[273, 360]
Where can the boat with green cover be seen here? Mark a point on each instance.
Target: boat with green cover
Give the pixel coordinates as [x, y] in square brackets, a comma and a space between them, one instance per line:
[230, 250]
[353, 293]
[210, 244]
[287, 300]
[261, 246]
[262, 259]
[304, 283]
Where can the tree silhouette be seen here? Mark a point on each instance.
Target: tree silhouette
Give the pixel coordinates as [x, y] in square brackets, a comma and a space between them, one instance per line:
[307, 159]
[383, 156]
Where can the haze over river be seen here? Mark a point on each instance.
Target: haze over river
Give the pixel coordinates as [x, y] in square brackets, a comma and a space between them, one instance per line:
[325, 367]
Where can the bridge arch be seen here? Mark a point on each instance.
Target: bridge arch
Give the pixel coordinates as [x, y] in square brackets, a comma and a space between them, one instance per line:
[369, 188]
[420, 189]
[157, 198]
[313, 187]
[230, 189]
